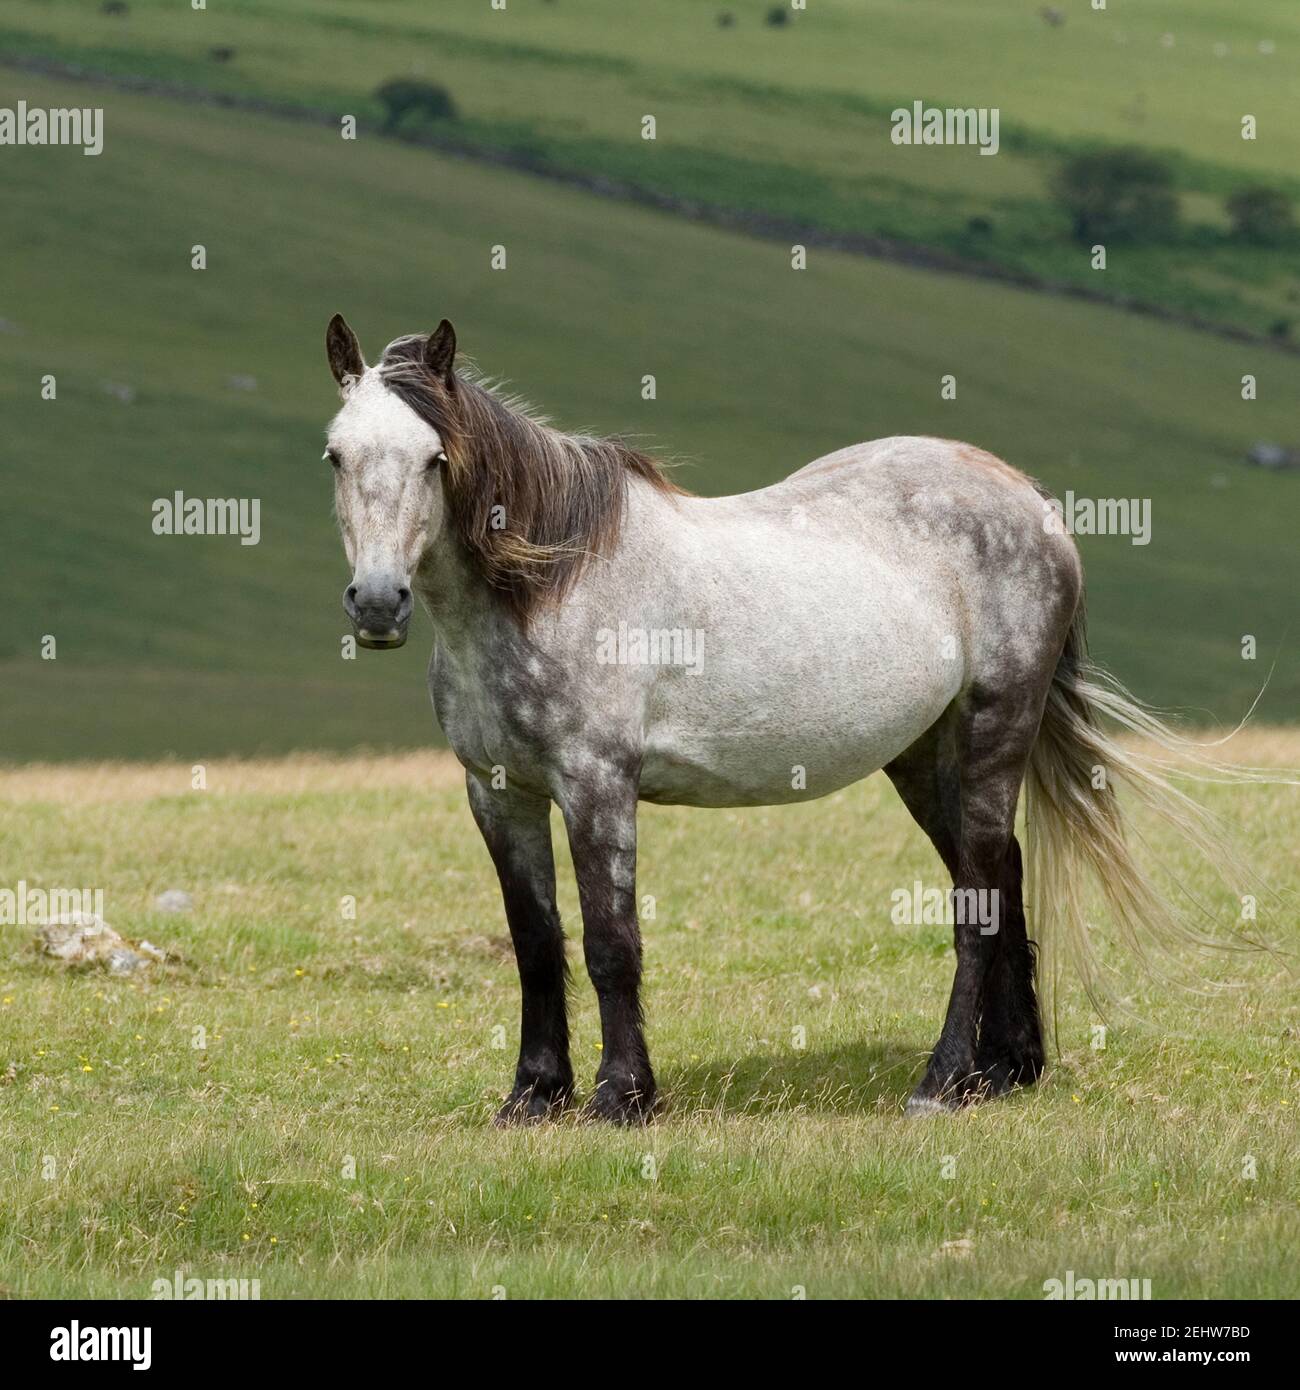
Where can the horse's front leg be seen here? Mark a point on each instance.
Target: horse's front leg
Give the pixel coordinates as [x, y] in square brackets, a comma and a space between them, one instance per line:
[600, 814]
[517, 828]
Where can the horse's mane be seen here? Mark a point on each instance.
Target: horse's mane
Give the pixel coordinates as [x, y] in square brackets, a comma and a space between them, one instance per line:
[530, 504]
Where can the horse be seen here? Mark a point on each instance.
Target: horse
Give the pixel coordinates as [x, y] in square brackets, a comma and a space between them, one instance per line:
[603, 637]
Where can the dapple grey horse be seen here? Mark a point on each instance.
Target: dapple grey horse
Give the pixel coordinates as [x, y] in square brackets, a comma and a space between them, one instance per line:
[911, 605]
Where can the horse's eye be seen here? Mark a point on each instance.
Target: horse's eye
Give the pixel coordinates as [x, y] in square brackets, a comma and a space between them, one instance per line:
[333, 458]
[436, 459]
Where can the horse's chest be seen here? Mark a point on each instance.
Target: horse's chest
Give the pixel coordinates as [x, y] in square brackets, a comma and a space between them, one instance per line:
[496, 722]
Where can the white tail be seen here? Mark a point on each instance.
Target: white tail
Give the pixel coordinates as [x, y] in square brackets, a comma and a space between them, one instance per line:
[1074, 822]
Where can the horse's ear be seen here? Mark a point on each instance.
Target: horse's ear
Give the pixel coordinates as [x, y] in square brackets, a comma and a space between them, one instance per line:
[440, 353]
[344, 352]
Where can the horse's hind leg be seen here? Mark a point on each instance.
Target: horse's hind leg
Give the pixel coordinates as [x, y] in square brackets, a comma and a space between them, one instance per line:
[961, 782]
[1010, 1050]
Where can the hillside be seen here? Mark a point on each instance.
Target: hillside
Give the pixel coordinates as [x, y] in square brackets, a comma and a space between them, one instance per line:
[199, 646]
[759, 122]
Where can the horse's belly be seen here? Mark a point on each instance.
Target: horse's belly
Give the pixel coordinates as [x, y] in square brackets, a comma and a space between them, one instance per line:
[787, 745]
[702, 774]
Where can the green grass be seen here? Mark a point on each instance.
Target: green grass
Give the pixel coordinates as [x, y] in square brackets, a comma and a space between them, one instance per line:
[199, 646]
[794, 122]
[127, 1153]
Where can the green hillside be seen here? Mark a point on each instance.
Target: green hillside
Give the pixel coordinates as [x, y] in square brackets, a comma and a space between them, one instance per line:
[792, 122]
[200, 646]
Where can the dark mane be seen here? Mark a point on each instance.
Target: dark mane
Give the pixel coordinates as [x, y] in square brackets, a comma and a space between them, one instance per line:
[530, 505]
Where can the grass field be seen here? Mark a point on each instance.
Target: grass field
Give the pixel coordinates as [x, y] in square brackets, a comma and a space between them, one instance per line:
[332, 1137]
[199, 646]
[794, 122]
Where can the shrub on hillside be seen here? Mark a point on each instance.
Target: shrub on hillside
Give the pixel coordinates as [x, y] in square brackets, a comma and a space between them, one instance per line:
[1261, 215]
[403, 95]
[1118, 195]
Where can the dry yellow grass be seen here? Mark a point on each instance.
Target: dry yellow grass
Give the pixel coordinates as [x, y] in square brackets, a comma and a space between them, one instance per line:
[432, 769]
[65, 784]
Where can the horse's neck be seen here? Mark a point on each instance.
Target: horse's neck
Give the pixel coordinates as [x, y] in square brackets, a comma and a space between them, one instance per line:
[458, 599]
[469, 616]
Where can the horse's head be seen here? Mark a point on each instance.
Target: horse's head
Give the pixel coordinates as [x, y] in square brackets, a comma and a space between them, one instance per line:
[387, 492]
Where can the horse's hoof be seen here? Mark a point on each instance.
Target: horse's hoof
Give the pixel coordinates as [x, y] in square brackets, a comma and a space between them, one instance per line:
[919, 1107]
[529, 1107]
[1002, 1075]
[619, 1107]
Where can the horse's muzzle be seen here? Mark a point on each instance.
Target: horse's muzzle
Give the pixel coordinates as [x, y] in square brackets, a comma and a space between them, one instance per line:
[380, 615]
[380, 641]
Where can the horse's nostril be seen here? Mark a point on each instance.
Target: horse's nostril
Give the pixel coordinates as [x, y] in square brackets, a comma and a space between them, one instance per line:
[403, 595]
[352, 593]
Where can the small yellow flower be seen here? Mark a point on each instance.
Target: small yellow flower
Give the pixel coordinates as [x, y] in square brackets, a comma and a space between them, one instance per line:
[9, 999]
[299, 973]
[246, 1236]
[88, 1068]
[442, 1004]
[275, 1240]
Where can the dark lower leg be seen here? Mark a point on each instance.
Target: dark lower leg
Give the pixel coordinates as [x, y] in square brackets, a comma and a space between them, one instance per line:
[602, 836]
[517, 831]
[625, 1084]
[992, 734]
[1010, 1050]
[949, 1076]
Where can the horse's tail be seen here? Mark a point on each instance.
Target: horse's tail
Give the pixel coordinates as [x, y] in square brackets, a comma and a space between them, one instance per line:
[1074, 822]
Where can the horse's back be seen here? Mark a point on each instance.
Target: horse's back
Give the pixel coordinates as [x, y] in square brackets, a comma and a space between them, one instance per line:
[842, 610]
[987, 532]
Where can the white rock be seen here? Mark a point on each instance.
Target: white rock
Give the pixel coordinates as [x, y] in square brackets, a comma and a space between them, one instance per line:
[84, 938]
